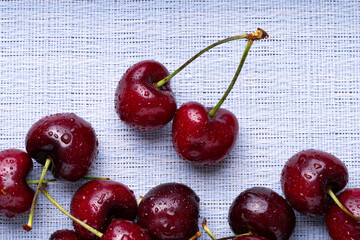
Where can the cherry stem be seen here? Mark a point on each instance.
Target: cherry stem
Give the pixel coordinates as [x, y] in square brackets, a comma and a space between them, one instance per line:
[259, 34]
[207, 230]
[28, 226]
[340, 205]
[91, 229]
[197, 235]
[139, 200]
[54, 180]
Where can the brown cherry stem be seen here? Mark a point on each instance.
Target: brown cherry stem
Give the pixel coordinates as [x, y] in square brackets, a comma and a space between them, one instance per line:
[258, 34]
[197, 235]
[28, 226]
[58, 206]
[139, 200]
[340, 205]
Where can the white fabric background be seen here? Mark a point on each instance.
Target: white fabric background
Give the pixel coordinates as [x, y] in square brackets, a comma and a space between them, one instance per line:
[299, 89]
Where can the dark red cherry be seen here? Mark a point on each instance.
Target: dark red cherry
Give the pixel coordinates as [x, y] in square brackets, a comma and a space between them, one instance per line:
[340, 225]
[69, 140]
[170, 211]
[306, 177]
[122, 229]
[64, 235]
[98, 201]
[139, 103]
[201, 139]
[263, 212]
[15, 195]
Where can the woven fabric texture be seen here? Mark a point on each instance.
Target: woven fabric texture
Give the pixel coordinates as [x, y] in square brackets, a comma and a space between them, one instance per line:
[299, 89]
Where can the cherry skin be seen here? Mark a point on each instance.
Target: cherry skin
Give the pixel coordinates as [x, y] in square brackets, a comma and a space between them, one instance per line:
[263, 212]
[170, 211]
[139, 103]
[64, 235]
[69, 140]
[340, 225]
[121, 229]
[201, 139]
[15, 194]
[306, 177]
[98, 201]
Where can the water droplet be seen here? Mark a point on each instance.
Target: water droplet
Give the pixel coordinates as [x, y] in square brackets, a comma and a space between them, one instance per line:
[307, 176]
[50, 133]
[66, 138]
[146, 93]
[56, 136]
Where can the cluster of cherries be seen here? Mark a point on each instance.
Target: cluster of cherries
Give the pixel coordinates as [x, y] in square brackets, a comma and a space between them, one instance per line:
[67, 145]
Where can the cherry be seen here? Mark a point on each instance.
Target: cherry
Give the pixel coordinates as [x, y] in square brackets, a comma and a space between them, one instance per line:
[201, 139]
[250, 237]
[340, 225]
[65, 140]
[143, 98]
[205, 136]
[170, 211]
[98, 201]
[263, 212]
[64, 235]
[139, 103]
[307, 177]
[15, 194]
[121, 229]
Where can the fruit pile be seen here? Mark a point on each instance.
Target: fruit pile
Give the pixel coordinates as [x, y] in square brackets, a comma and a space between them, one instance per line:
[67, 146]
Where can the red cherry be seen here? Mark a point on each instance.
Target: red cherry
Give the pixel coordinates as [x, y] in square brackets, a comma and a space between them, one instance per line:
[201, 139]
[340, 225]
[263, 212]
[64, 235]
[170, 211]
[15, 195]
[139, 103]
[122, 229]
[250, 237]
[306, 177]
[98, 201]
[69, 140]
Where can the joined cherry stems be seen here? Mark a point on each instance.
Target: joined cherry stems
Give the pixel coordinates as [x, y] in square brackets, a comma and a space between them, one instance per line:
[257, 35]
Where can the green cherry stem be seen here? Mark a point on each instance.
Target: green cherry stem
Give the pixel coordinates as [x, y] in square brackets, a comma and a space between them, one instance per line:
[28, 226]
[207, 230]
[259, 34]
[91, 229]
[340, 205]
[54, 180]
[212, 236]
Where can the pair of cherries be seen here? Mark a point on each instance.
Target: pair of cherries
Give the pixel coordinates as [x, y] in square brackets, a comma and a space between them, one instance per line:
[64, 143]
[168, 211]
[201, 135]
[309, 181]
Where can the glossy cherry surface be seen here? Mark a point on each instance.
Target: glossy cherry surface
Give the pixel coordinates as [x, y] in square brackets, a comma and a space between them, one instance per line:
[15, 195]
[341, 226]
[306, 177]
[98, 201]
[68, 139]
[201, 139]
[263, 212]
[170, 211]
[64, 235]
[139, 103]
[122, 229]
